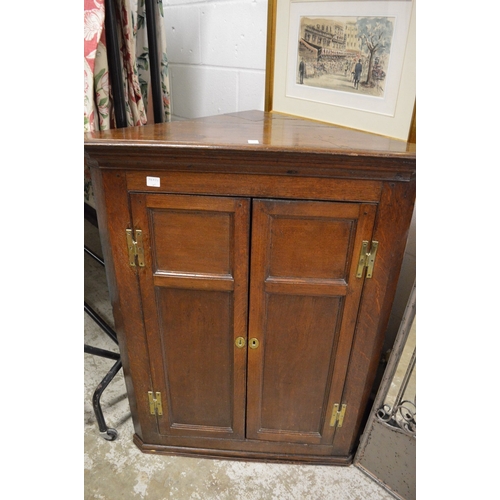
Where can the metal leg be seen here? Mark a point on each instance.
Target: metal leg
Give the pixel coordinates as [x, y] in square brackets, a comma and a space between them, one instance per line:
[108, 433]
[98, 319]
[103, 353]
[96, 257]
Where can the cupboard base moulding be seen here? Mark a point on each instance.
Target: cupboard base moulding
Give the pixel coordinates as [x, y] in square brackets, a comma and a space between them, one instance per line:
[241, 454]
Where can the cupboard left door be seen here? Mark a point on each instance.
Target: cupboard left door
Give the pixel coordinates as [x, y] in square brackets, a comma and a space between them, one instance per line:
[194, 292]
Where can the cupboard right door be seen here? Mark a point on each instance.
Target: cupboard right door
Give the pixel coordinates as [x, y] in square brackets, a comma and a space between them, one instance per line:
[304, 300]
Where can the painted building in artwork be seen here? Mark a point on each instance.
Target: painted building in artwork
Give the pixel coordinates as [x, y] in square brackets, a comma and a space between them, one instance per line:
[328, 40]
[326, 37]
[352, 40]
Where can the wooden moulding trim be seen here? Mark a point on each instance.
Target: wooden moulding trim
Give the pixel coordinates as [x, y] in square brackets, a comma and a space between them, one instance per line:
[101, 147]
[320, 164]
[248, 185]
[240, 455]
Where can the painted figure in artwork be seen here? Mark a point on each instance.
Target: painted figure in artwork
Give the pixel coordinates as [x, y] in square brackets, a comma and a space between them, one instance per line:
[358, 69]
[302, 69]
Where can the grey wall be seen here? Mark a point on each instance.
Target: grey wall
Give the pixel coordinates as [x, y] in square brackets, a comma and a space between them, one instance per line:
[217, 55]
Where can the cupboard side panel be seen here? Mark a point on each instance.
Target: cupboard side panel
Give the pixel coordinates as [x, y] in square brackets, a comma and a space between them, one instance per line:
[391, 231]
[113, 218]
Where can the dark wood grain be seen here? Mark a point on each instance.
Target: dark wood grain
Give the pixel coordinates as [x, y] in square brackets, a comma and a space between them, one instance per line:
[259, 241]
[273, 131]
[220, 144]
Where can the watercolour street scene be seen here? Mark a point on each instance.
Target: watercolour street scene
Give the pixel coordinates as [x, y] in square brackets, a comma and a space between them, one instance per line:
[349, 54]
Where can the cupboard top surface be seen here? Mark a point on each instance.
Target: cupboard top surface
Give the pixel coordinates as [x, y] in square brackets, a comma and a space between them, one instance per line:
[242, 130]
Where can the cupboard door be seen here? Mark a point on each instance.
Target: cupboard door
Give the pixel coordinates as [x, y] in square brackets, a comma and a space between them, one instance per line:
[304, 298]
[194, 289]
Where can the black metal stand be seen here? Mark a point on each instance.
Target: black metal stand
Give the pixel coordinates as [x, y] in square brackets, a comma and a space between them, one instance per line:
[108, 433]
[115, 67]
[154, 62]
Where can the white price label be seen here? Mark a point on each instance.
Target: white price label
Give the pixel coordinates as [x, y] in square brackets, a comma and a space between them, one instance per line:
[153, 181]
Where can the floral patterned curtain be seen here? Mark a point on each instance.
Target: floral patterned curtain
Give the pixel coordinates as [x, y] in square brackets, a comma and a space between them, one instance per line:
[134, 54]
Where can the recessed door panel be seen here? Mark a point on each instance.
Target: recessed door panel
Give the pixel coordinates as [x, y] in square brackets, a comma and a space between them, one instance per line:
[197, 242]
[297, 336]
[194, 287]
[196, 330]
[307, 258]
[304, 298]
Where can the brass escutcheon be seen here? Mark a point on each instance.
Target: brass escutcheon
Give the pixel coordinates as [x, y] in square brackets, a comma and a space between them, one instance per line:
[254, 343]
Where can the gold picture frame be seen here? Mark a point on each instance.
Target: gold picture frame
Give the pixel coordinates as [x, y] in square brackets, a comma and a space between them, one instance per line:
[331, 36]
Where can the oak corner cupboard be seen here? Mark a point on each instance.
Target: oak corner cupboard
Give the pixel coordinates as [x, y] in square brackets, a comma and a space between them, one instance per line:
[252, 261]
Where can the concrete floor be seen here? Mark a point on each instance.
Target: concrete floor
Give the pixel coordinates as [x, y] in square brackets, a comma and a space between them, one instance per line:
[118, 470]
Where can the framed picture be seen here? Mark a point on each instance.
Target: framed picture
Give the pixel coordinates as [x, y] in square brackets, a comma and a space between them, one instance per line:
[346, 62]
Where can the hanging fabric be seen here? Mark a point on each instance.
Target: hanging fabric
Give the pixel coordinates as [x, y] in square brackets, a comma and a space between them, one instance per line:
[130, 22]
[144, 57]
[92, 31]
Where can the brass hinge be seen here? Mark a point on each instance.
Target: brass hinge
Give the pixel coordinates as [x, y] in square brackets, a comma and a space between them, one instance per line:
[367, 259]
[155, 406]
[337, 415]
[135, 248]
